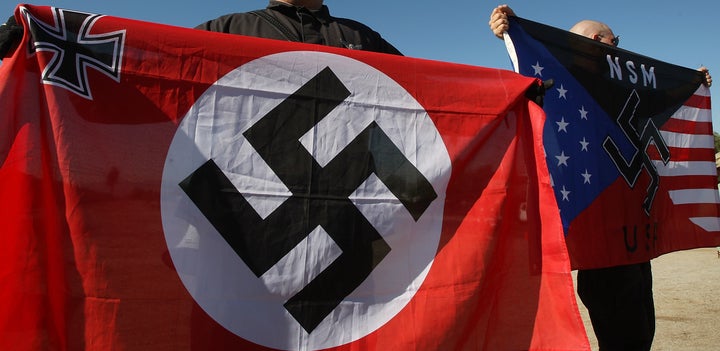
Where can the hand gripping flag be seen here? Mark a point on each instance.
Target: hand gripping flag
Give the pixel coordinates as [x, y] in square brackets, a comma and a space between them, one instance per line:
[172, 189]
[629, 144]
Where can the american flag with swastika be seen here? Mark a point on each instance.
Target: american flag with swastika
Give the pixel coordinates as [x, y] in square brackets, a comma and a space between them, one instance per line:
[629, 145]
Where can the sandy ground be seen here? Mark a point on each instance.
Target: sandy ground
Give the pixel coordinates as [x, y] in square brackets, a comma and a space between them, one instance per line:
[686, 287]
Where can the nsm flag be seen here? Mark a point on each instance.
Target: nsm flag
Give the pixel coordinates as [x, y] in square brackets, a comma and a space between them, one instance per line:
[629, 145]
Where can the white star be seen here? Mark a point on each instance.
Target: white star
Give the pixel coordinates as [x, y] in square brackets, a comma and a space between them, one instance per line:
[562, 125]
[562, 159]
[584, 145]
[565, 194]
[583, 113]
[586, 176]
[538, 69]
[562, 92]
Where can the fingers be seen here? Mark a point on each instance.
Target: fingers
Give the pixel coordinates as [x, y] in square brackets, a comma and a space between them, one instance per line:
[507, 10]
[708, 77]
[499, 20]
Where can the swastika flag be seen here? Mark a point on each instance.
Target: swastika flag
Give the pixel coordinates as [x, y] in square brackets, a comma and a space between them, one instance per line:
[172, 189]
[629, 145]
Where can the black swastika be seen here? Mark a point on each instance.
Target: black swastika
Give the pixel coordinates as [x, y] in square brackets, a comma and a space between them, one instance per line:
[641, 141]
[320, 197]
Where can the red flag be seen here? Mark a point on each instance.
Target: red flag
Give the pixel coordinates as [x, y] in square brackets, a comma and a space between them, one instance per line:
[173, 189]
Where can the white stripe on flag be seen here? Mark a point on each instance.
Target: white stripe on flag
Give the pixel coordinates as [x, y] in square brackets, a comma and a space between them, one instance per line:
[695, 196]
[510, 46]
[702, 90]
[688, 141]
[692, 114]
[709, 224]
[687, 168]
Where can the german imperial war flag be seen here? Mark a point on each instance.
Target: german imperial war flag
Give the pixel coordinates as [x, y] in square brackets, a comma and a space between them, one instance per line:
[629, 144]
[171, 189]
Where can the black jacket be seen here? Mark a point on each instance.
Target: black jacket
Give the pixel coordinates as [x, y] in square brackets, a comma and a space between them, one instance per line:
[10, 35]
[286, 22]
[279, 21]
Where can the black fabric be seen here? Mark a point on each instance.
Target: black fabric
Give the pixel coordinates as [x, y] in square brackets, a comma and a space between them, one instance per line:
[621, 306]
[587, 61]
[310, 26]
[537, 92]
[10, 35]
[286, 32]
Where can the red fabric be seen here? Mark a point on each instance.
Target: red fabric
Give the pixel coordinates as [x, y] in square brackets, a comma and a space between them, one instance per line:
[84, 262]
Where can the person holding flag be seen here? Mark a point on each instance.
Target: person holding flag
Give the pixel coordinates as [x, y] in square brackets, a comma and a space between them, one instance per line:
[619, 299]
[307, 21]
[357, 232]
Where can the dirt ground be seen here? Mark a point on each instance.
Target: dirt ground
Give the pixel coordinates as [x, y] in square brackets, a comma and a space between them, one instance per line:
[686, 288]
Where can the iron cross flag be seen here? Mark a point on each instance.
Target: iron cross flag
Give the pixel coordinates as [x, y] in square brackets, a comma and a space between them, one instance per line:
[167, 188]
[629, 145]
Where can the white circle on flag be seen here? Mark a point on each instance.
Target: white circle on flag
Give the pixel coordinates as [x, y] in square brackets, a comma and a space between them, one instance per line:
[220, 282]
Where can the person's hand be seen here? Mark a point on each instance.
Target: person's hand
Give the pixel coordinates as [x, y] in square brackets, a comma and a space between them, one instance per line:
[708, 77]
[10, 35]
[499, 20]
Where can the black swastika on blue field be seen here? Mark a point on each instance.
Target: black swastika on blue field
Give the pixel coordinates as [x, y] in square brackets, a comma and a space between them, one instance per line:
[320, 197]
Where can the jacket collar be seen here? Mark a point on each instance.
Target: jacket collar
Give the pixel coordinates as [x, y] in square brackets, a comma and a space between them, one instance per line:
[322, 15]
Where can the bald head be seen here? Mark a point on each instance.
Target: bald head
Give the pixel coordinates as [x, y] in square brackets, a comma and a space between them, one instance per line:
[596, 31]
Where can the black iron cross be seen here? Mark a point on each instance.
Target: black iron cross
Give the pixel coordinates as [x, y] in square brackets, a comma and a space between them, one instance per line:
[75, 49]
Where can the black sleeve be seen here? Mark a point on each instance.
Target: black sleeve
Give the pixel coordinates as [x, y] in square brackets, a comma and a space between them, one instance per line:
[369, 40]
[236, 23]
[10, 35]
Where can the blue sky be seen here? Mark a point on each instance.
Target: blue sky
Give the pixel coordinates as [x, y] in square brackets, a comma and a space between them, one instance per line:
[684, 33]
